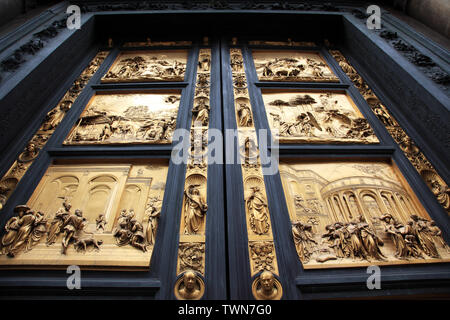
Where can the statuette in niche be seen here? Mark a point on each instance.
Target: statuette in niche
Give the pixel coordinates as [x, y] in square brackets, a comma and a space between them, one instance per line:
[257, 209]
[204, 62]
[30, 153]
[55, 116]
[195, 209]
[267, 287]
[244, 115]
[200, 111]
[189, 286]
[249, 152]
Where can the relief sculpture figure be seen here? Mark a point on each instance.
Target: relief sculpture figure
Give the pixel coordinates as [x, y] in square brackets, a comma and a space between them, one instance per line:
[23, 231]
[153, 214]
[57, 222]
[257, 209]
[195, 209]
[201, 112]
[245, 115]
[303, 239]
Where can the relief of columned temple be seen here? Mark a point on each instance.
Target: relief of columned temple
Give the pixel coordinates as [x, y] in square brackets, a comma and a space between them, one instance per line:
[127, 118]
[90, 215]
[348, 214]
[143, 66]
[292, 66]
[311, 117]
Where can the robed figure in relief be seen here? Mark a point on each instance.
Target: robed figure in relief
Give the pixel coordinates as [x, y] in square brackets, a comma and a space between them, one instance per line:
[257, 208]
[195, 209]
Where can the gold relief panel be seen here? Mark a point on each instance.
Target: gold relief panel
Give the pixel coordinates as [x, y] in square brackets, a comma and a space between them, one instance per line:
[146, 66]
[150, 43]
[130, 118]
[316, 117]
[350, 214]
[291, 65]
[92, 215]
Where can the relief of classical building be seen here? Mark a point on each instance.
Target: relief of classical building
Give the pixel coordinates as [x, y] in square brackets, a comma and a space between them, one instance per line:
[292, 66]
[347, 214]
[144, 66]
[434, 181]
[310, 117]
[129, 118]
[77, 208]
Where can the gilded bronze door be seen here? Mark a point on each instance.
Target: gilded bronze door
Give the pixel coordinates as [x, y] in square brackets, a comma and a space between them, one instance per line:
[329, 186]
[218, 168]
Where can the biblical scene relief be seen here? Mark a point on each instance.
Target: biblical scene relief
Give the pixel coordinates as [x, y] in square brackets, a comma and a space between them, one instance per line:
[309, 117]
[145, 66]
[97, 215]
[348, 214]
[292, 66]
[126, 119]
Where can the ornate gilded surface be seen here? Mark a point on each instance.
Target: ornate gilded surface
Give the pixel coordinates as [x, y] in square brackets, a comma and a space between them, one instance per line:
[191, 251]
[289, 43]
[262, 257]
[311, 117]
[259, 227]
[436, 184]
[150, 43]
[144, 66]
[130, 118]
[93, 215]
[292, 66]
[267, 287]
[191, 257]
[348, 214]
[189, 286]
[54, 117]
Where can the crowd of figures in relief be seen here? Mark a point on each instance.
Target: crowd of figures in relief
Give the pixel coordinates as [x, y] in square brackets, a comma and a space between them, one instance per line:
[121, 205]
[316, 118]
[344, 214]
[148, 66]
[113, 119]
[292, 66]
